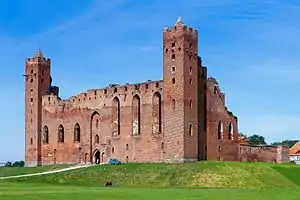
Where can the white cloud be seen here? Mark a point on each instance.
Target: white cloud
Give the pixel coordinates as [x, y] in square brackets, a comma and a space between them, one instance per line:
[96, 10]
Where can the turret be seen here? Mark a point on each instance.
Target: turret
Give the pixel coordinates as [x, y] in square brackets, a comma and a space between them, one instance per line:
[180, 63]
[37, 84]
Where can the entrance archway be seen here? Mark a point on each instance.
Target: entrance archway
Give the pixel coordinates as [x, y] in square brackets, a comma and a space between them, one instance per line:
[97, 157]
[85, 158]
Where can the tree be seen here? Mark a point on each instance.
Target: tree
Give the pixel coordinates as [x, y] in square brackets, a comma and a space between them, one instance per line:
[15, 164]
[242, 135]
[256, 139]
[288, 143]
[22, 163]
[19, 164]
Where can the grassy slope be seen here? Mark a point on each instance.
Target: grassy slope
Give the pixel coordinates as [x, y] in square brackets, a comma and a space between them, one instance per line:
[49, 192]
[202, 174]
[292, 173]
[11, 171]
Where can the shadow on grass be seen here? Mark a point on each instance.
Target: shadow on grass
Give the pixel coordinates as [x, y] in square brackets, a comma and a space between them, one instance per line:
[291, 173]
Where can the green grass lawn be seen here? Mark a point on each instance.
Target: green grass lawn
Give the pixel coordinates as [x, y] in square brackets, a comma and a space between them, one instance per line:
[189, 175]
[11, 171]
[20, 191]
[202, 180]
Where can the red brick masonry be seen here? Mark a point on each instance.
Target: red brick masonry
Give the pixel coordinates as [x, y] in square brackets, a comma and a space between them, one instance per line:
[264, 153]
[180, 118]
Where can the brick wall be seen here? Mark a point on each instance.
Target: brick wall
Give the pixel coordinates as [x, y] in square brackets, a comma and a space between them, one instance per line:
[283, 155]
[96, 113]
[222, 130]
[263, 153]
[175, 119]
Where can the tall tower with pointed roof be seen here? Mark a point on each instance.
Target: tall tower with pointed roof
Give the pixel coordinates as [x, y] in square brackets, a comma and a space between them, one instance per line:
[180, 74]
[37, 83]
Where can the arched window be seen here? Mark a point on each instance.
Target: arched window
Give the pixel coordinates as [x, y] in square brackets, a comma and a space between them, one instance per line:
[113, 150]
[230, 131]
[94, 129]
[173, 103]
[220, 130]
[97, 139]
[156, 113]
[136, 115]
[61, 133]
[45, 135]
[97, 123]
[116, 116]
[77, 132]
[191, 130]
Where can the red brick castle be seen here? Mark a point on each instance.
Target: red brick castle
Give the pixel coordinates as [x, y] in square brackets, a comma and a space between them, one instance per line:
[180, 118]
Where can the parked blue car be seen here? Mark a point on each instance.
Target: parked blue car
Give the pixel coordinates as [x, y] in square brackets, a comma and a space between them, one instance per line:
[114, 162]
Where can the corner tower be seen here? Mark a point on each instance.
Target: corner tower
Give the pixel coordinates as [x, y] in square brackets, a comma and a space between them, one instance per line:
[180, 74]
[37, 84]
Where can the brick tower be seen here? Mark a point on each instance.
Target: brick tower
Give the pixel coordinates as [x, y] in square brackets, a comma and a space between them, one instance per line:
[37, 83]
[180, 74]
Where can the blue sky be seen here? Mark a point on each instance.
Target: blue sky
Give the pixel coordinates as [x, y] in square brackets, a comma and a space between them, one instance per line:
[250, 46]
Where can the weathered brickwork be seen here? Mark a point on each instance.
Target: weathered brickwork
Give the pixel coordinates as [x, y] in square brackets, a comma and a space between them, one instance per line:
[180, 118]
[264, 153]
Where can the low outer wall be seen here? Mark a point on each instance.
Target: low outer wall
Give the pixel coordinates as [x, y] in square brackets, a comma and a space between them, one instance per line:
[263, 153]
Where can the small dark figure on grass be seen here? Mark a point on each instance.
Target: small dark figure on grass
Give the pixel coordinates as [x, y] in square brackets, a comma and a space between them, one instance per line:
[108, 184]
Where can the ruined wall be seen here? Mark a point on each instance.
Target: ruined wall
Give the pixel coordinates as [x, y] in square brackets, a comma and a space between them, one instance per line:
[263, 153]
[283, 155]
[222, 130]
[123, 122]
[182, 118]
[126, 122]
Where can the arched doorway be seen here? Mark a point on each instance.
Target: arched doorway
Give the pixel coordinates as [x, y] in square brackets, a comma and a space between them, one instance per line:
[103, 157]
[85, 158]
[97, 157]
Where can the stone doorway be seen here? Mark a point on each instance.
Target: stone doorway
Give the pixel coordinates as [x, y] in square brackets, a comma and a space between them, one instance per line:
[97, 157]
